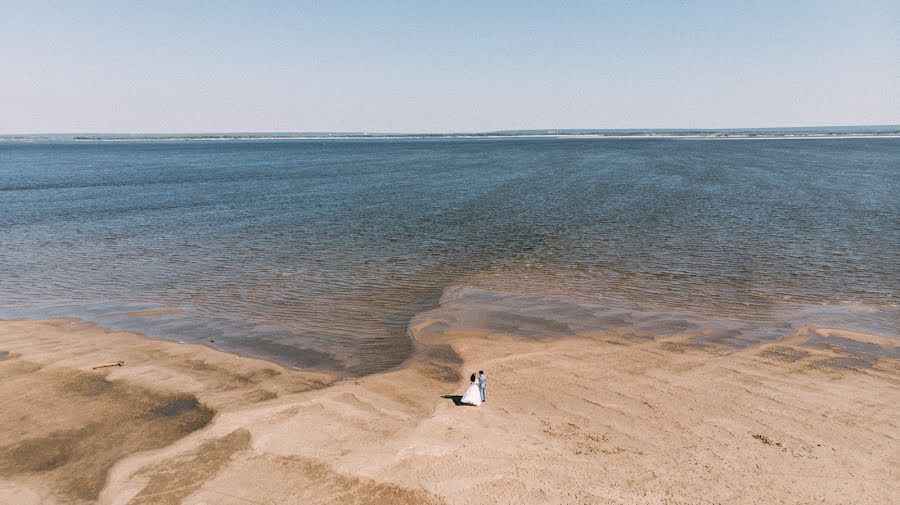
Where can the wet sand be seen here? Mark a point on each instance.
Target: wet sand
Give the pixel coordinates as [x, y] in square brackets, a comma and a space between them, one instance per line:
[583, 417]
[65, 424]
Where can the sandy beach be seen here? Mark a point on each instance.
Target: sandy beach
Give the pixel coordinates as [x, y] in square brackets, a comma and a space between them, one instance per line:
[603, 417]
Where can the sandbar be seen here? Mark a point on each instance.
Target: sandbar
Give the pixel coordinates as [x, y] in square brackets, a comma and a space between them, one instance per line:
[589, 418]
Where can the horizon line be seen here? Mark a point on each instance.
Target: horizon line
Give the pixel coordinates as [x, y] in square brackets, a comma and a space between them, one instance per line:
[449, 133]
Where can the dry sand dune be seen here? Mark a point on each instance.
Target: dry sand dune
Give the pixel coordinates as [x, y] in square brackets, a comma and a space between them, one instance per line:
[596, 418]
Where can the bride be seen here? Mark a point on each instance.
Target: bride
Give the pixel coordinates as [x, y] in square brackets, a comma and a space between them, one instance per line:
[472, 395]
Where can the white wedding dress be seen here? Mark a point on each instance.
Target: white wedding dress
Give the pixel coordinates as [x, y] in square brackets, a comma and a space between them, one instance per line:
[472, 396]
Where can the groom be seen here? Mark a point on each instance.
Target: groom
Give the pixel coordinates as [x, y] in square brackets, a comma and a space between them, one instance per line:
[482, 384]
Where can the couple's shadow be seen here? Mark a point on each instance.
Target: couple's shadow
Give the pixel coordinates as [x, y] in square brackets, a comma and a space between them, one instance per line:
[457, 400]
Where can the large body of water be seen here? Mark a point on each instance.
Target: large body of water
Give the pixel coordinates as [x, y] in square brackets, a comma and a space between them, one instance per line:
[318, 253]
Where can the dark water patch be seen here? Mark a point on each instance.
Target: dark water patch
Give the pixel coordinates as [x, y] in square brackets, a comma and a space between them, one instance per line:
[4, 354]
[662, 326]
[744, 335]
[99, 385]
[615, 321]
[852, 346]
[292, 355]
[733, 338]
[855, 355]
[176, 407]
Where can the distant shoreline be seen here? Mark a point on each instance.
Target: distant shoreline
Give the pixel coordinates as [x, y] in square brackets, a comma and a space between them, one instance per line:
[463, 137]
[837, 132]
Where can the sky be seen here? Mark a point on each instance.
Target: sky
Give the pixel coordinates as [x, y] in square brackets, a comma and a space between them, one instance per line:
[383, 66]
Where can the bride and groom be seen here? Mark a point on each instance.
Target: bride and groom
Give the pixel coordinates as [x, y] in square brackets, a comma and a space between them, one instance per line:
[475, 394]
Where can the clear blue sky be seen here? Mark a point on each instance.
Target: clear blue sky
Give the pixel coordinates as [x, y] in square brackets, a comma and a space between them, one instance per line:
[445, 66]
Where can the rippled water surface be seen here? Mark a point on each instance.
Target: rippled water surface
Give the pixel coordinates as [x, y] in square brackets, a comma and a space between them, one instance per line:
[318, 253]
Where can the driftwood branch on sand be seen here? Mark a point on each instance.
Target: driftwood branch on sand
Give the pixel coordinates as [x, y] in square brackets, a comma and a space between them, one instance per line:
[117, 363]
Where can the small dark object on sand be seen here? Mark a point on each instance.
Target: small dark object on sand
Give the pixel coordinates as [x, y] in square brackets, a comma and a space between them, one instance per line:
[764, 439]
[117, 363]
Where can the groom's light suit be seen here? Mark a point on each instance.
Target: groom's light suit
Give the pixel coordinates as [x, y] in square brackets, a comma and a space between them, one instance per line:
[482, 384]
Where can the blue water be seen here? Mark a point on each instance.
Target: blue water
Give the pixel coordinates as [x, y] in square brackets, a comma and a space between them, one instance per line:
[317, 253]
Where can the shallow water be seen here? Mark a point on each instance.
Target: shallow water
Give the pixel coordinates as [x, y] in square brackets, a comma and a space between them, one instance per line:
[318, 253]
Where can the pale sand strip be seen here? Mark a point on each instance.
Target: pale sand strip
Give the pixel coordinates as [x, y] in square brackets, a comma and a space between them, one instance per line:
[865, 338]
[600, 419]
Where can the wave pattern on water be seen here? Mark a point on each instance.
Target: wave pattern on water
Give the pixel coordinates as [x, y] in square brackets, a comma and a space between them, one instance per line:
[317, 254]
